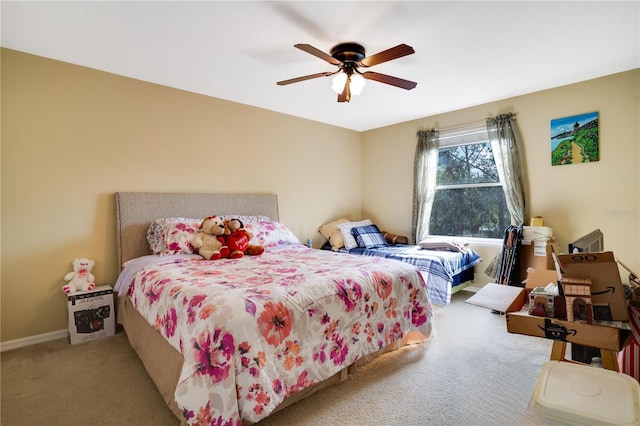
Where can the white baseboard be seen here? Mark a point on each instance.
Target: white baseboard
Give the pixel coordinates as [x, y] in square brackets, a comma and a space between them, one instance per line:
[32, 340]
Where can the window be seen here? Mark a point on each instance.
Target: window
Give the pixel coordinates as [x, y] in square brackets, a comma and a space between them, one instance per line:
[469, 199]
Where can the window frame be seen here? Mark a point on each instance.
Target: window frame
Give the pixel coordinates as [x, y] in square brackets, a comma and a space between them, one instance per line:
[467, 135]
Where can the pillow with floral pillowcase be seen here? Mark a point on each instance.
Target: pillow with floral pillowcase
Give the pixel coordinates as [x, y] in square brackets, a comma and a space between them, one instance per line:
[270, 233]
[368, 236]
[246, 218]
[173, 235]
[345, 230]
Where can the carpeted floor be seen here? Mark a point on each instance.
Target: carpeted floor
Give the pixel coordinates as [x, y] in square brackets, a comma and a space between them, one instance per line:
[472, 373]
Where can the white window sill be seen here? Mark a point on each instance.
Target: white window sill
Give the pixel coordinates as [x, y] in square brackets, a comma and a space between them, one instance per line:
[485, 242]
[474, 241]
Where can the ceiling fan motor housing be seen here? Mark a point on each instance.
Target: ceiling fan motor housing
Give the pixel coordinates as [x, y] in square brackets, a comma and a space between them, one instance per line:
[348, 52]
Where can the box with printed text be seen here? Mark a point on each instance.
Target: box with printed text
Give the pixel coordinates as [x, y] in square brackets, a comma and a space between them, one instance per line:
[91, 314]
[607, 292]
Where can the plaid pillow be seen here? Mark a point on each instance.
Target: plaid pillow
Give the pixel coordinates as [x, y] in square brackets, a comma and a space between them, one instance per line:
[368, 236]
[347, 236]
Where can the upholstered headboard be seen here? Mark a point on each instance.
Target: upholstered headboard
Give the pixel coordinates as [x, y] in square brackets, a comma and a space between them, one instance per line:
[136, 210]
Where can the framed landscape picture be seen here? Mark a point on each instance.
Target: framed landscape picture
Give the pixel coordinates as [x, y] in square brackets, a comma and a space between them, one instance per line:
[575, 139]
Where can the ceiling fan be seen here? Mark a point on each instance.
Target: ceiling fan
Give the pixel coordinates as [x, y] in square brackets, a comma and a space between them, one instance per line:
[348, 57]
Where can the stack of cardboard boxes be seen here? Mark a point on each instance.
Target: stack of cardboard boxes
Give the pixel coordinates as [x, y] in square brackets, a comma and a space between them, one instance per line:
[608, 327]
[535, 250]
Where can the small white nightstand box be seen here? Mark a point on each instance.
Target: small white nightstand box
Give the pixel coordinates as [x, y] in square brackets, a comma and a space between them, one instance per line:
[91, 314]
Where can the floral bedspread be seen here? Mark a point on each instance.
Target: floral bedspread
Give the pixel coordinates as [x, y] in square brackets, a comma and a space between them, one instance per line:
[254, 330]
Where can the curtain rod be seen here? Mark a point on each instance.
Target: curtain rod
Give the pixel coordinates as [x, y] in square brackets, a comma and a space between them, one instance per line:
[469, 129]
[474, 124]
[474, 127]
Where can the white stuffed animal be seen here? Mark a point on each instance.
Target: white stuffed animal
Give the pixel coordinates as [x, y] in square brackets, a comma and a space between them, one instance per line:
[209, 240]
[81, 278]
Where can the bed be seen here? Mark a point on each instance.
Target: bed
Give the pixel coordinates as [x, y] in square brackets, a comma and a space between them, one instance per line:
[447, 264]
[232, 341]
[445, 272]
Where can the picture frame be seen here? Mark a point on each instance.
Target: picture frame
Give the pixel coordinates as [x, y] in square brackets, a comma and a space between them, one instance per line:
[575, 139]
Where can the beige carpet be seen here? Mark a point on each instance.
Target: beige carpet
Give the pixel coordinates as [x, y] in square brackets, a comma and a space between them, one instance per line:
[472, 373]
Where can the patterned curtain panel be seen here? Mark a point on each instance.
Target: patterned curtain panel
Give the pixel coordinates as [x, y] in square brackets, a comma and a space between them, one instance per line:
[506, 152]
[505, 146]
[424, 182]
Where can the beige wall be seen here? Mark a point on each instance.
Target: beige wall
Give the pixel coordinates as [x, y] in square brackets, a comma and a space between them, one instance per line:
[573, 199]
[72, 136]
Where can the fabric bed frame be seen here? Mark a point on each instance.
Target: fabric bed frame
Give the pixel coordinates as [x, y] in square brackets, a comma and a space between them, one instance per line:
[136, 210]
[134, 213]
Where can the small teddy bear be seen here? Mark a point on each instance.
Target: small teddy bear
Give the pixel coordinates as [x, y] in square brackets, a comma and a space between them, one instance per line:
[237, 238]
[209, 240]
[81, 278]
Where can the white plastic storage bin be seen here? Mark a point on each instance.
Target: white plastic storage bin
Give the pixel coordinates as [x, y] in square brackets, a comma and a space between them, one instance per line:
[575, 394]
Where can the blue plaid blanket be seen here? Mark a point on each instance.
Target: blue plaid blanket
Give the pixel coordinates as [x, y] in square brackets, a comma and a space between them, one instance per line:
[438, 267]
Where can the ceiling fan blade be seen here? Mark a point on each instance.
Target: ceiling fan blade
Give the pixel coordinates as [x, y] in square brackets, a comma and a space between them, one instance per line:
[387, 55]
[387, 79]
[317, 52]
[303, 78]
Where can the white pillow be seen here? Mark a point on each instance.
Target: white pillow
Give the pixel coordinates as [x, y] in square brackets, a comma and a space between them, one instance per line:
[455, 244]
[345, 230]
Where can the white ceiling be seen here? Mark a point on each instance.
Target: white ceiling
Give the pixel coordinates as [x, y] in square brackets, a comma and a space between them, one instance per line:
[467, 53]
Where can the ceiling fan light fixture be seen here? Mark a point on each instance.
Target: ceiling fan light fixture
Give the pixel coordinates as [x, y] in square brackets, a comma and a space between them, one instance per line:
[338, 82]
[357, 83]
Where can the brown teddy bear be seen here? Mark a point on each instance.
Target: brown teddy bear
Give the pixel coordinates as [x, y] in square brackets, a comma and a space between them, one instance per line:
[209, 240]
[237, 239]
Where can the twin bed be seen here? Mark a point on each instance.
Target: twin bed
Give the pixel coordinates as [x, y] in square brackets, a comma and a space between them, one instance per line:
[232, 341]
[445, 272]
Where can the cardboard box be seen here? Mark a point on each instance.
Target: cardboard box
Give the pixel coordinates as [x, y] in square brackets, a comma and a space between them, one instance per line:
[540, 278]
[595, 336]
[91, 314]
[535, 254]
[510, 300]
[606, 287]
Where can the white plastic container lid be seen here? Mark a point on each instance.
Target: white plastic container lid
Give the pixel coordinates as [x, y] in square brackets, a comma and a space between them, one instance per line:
[570, 393]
